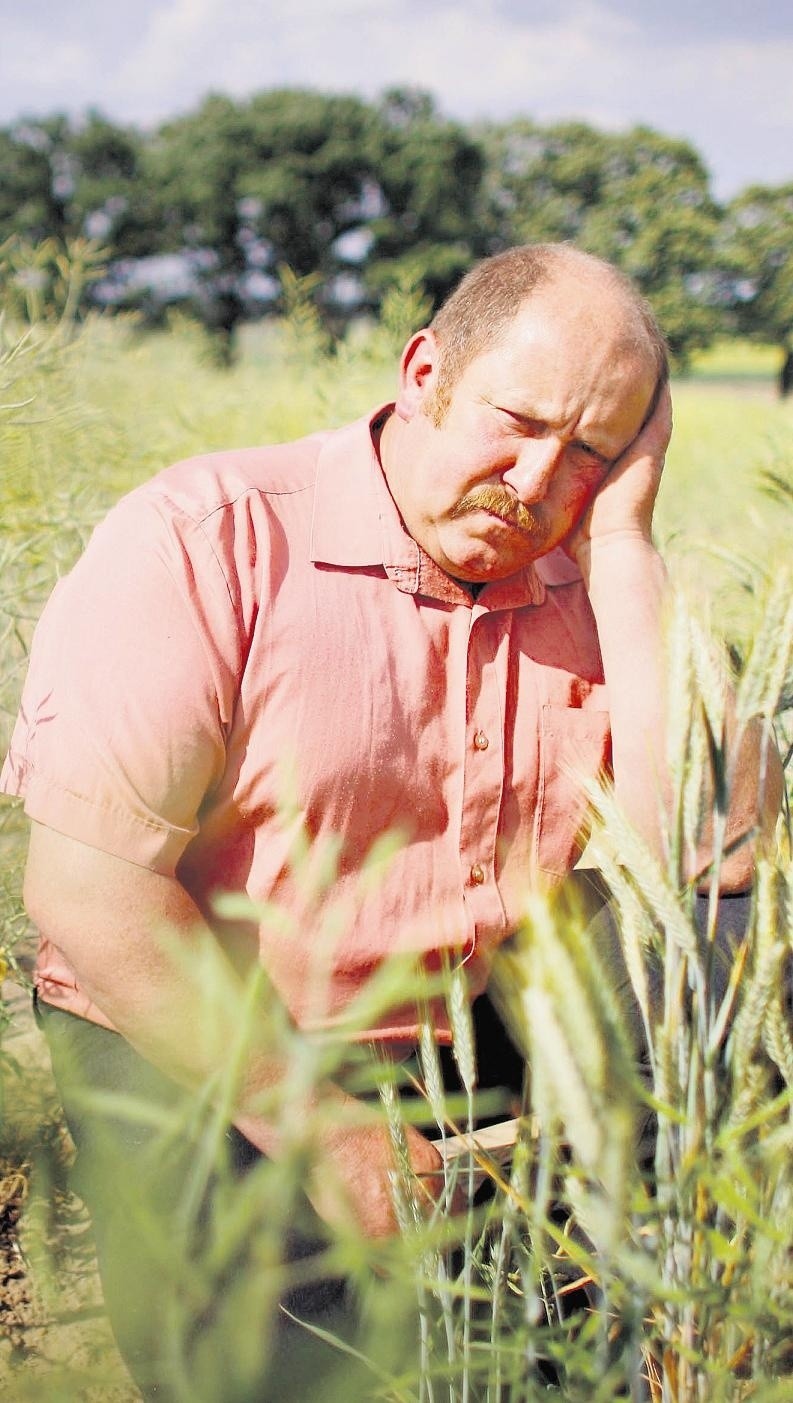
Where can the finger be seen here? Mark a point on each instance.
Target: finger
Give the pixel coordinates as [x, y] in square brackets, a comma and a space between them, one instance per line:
[652, 439]
[659, 424]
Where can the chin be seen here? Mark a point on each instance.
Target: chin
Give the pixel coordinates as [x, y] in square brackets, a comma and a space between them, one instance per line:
[498, 565]
[487, 574]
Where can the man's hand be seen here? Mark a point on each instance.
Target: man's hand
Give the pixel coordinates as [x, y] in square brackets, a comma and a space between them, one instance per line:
[351, 1185]
[624, 503]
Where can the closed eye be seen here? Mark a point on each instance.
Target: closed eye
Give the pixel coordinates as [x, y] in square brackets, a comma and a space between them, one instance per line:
[594, 453]
[536, 428]
[525, 422]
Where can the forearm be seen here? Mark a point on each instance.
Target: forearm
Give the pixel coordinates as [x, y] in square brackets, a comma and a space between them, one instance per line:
[627, 583]
[627, 586]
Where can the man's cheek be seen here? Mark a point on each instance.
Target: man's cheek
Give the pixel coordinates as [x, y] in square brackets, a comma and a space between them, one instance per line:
[580, 497]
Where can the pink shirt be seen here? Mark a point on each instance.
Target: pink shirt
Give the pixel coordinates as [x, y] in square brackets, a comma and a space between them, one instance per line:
[252, 652]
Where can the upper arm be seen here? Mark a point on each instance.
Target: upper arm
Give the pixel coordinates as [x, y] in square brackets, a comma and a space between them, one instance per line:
[65, 875]
[140, 950]
[131, 689]
[98, 909]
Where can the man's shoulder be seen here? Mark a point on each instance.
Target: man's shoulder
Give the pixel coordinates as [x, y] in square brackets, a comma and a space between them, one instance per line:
[221, 499]
[200, 486]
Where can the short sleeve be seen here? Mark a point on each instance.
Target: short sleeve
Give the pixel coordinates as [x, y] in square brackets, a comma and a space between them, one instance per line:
[131, 688]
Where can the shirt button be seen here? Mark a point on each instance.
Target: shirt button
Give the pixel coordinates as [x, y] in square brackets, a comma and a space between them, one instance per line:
[477, 874]
[481, 741]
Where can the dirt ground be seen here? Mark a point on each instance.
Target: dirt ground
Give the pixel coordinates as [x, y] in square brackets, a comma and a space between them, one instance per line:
[55, 1344]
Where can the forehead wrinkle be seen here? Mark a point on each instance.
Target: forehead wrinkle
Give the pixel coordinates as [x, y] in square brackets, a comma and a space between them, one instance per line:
[570, 424]
[587, 423]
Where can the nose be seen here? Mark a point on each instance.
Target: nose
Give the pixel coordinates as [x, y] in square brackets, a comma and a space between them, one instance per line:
[532, 472]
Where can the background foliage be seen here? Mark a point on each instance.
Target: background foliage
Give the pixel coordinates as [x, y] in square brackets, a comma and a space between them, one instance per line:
[206, 208]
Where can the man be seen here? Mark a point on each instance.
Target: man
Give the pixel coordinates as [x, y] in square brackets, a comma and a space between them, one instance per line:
[440, 620]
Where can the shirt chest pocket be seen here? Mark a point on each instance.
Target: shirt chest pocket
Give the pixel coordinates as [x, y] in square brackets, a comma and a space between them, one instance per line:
[575, 746]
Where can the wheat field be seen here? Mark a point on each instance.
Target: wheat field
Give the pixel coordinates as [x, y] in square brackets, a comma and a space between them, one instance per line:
[590, 1273]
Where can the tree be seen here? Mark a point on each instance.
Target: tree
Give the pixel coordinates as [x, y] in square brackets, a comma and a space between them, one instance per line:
[251, 186]
[638, 198]
[540, 182]
[758, 238]
[72, 196]
[37, 182]
[429, 173]
[322, 183]
[111, 198]
[310, 175]
[193, 167]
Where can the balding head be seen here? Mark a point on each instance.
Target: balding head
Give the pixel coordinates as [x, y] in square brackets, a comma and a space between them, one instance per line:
[480, 310]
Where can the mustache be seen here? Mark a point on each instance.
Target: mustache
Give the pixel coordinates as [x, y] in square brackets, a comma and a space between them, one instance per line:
[501, 503]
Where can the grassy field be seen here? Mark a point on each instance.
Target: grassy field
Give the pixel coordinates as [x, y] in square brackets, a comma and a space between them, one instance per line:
[720, 529]
[701, 1274]
[737, 360]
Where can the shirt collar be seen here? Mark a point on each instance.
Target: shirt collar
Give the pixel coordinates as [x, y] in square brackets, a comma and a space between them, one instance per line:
[345, 525]
[356, 524]
[557, 568]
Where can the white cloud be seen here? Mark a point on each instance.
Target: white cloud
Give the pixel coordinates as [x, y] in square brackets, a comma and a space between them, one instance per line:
[178, 36]
[39, 74]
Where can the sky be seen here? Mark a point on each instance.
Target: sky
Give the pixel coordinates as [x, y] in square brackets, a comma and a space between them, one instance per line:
[718, 73]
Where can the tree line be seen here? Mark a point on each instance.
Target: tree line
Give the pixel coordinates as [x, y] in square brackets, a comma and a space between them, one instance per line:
[357, 197]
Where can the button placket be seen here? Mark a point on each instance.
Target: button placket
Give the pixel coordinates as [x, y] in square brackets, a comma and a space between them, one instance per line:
[483, 775]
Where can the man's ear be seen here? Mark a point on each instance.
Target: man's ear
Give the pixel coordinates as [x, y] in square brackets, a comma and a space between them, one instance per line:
[418, 373]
